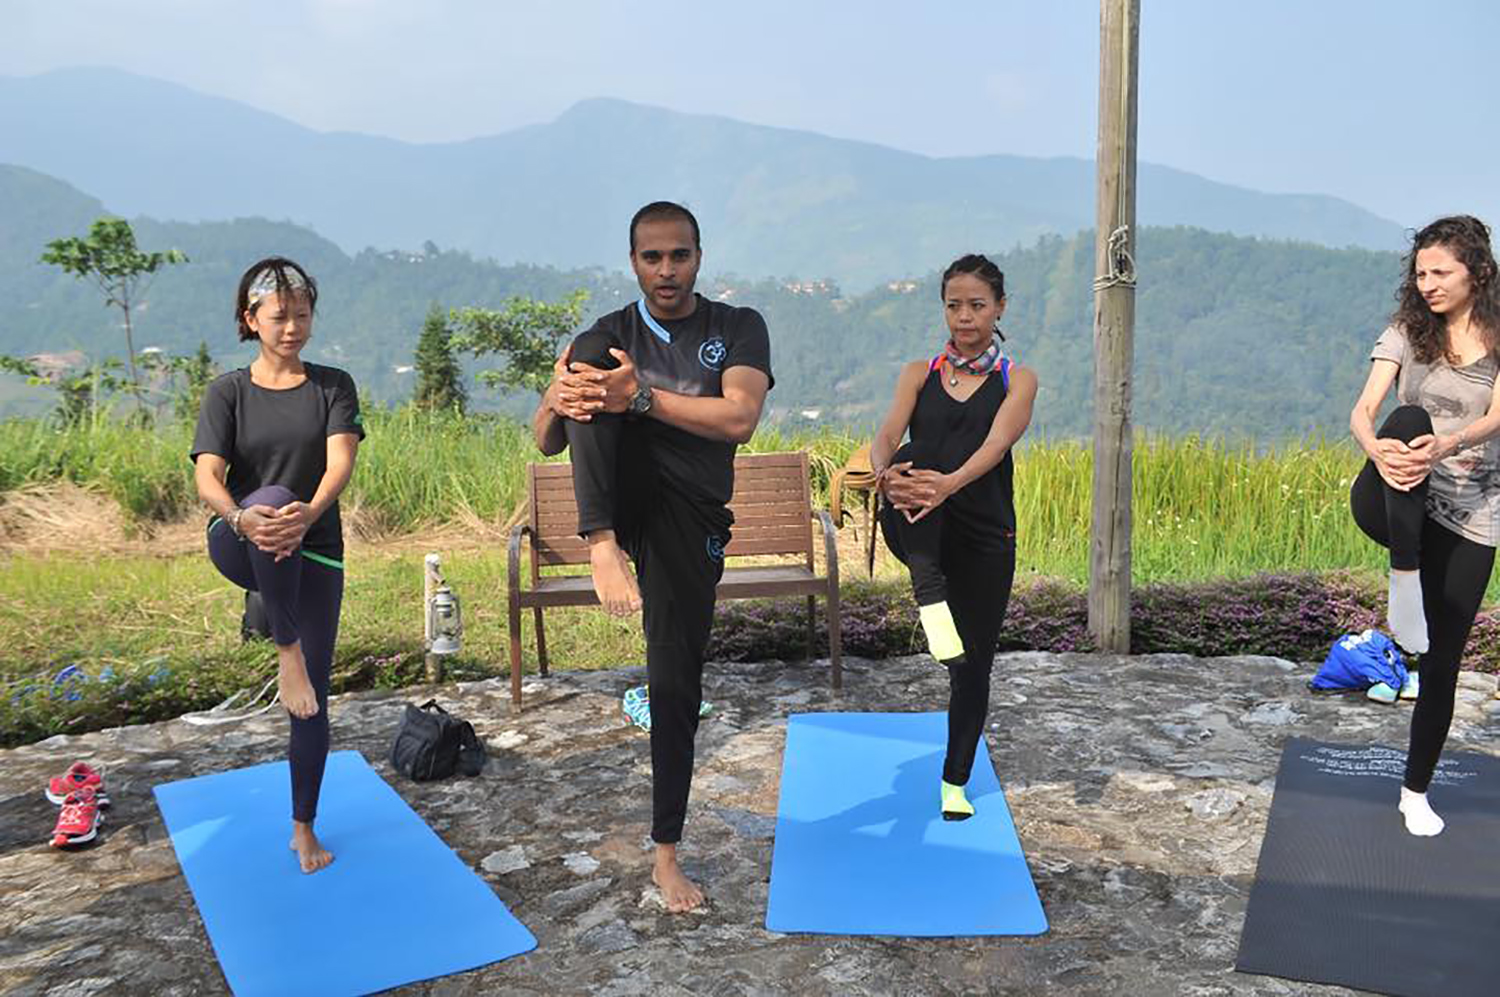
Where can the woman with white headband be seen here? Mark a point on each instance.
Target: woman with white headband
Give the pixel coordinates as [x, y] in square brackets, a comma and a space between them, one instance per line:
[275, 446]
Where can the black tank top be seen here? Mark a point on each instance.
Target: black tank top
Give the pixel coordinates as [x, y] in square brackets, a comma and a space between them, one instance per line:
[984, 510]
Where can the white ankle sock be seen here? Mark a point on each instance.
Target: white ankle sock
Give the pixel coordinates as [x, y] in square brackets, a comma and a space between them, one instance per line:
[1404, 611]
[1420, 819]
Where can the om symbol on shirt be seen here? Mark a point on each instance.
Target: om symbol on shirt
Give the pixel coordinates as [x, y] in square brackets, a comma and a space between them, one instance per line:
[711, 354]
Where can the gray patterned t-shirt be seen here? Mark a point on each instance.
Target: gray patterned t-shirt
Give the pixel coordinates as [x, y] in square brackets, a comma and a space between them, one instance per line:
[1463, 491]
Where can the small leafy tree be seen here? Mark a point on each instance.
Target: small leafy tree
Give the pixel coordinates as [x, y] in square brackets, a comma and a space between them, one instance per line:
[527, 333]
[110, 259]
[439, 377]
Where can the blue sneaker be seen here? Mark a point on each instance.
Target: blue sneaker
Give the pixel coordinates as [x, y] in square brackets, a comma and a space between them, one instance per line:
[1412, 687]
[1381, 693]
[636, 705]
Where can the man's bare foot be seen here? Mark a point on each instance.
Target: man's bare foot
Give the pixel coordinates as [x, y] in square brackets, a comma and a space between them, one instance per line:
[614, 581]
[680, 893]
[310, 852]
[292, 687]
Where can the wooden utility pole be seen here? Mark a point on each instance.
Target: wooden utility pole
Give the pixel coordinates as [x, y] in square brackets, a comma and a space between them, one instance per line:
[1114, 326]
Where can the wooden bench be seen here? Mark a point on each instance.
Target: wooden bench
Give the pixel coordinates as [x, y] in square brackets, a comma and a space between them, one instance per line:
[773, 514]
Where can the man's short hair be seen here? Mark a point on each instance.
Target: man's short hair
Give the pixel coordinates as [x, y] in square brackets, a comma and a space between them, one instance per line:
[665, 211]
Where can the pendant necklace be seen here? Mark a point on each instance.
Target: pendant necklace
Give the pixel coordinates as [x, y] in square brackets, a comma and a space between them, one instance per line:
[953, 376]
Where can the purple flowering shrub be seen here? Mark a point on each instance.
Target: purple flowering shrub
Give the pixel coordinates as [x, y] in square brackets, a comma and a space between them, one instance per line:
[1293, 615]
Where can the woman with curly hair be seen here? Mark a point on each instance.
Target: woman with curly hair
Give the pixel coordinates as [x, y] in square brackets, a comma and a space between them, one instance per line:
[1430, 491]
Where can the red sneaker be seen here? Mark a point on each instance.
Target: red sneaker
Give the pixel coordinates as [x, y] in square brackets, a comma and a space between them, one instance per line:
[79, 776]
[79, 819]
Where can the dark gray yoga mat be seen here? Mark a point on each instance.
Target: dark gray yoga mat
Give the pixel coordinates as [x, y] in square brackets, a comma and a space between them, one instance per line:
[1343, 894]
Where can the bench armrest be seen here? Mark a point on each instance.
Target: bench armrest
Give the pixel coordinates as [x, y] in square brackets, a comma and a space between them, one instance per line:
[513, 560]
[830, 545]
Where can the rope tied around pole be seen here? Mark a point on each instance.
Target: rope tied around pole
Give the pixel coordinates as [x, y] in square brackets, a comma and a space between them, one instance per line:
[1121, 262]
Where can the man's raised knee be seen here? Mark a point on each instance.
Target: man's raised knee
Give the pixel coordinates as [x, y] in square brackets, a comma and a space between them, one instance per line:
[592, 348]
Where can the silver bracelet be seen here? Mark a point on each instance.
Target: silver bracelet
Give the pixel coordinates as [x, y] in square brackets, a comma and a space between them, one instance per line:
[234, 522]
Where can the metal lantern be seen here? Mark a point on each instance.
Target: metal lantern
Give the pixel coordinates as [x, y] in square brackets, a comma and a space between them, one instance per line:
[443, 622]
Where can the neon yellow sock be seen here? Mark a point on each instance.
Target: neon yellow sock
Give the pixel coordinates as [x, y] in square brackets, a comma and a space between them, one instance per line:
[942, 633]
[956, 805]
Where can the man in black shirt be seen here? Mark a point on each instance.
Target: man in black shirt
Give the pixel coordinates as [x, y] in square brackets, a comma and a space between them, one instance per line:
[652, 402]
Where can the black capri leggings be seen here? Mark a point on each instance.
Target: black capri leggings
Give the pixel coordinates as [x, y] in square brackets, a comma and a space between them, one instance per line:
[976, 585]
[1455, 572]
[302, 595]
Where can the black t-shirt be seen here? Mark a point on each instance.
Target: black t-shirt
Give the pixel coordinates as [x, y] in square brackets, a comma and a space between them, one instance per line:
[280, 437]
[691, 360]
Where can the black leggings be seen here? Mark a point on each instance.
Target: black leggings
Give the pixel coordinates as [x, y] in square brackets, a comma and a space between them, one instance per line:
[677, 542]
[1454, 573]
[976, 585]
[302, 595]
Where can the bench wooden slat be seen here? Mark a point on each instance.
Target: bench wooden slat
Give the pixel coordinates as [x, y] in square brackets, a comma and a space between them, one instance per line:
[565, 522]
[578, 590]
[552, 555]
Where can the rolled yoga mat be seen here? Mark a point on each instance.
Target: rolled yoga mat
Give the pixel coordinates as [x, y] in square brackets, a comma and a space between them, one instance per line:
[396, 906]
[1343, 894]
[862, 849]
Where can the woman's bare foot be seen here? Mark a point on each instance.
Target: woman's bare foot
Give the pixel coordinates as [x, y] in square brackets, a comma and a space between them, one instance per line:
[680, 893]
[614, 581]
[310, 852]
[292, 687]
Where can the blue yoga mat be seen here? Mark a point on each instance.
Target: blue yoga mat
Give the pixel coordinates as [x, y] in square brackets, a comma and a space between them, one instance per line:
[396, 906]
[862, 849]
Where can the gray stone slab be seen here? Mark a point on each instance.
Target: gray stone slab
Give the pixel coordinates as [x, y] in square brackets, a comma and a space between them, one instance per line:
[1139, 786]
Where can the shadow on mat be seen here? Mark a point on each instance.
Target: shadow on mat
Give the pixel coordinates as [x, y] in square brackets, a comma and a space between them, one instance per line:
[914, 781]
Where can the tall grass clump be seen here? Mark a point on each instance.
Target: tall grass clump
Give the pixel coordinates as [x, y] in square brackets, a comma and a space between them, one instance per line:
[1201, 509]
[419, 468]
[145, 470]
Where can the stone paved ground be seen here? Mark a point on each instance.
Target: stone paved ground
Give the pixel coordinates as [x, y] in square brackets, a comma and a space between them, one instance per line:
[1140, 788]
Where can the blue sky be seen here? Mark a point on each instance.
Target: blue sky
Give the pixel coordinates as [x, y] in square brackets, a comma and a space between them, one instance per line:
[1383, 102]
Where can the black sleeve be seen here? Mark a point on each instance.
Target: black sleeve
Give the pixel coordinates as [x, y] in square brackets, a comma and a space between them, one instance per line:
[215, 432]
[343, 409]
[750, 344]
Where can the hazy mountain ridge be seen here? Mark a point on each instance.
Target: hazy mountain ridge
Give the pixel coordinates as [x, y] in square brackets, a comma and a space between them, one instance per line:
[1236, 336]
[772, 200]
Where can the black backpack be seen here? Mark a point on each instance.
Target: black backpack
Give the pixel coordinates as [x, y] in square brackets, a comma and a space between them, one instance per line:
[433, 744]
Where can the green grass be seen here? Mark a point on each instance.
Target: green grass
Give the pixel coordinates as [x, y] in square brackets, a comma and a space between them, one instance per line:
[166, 628]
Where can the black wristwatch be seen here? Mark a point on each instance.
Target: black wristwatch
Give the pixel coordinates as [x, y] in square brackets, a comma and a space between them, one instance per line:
[640, 402]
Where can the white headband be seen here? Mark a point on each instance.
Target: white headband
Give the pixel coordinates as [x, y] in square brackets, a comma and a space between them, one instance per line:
[265, 284]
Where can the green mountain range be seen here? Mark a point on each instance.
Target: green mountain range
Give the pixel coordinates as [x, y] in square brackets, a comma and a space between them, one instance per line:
[1235, 336]
[772, 201]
